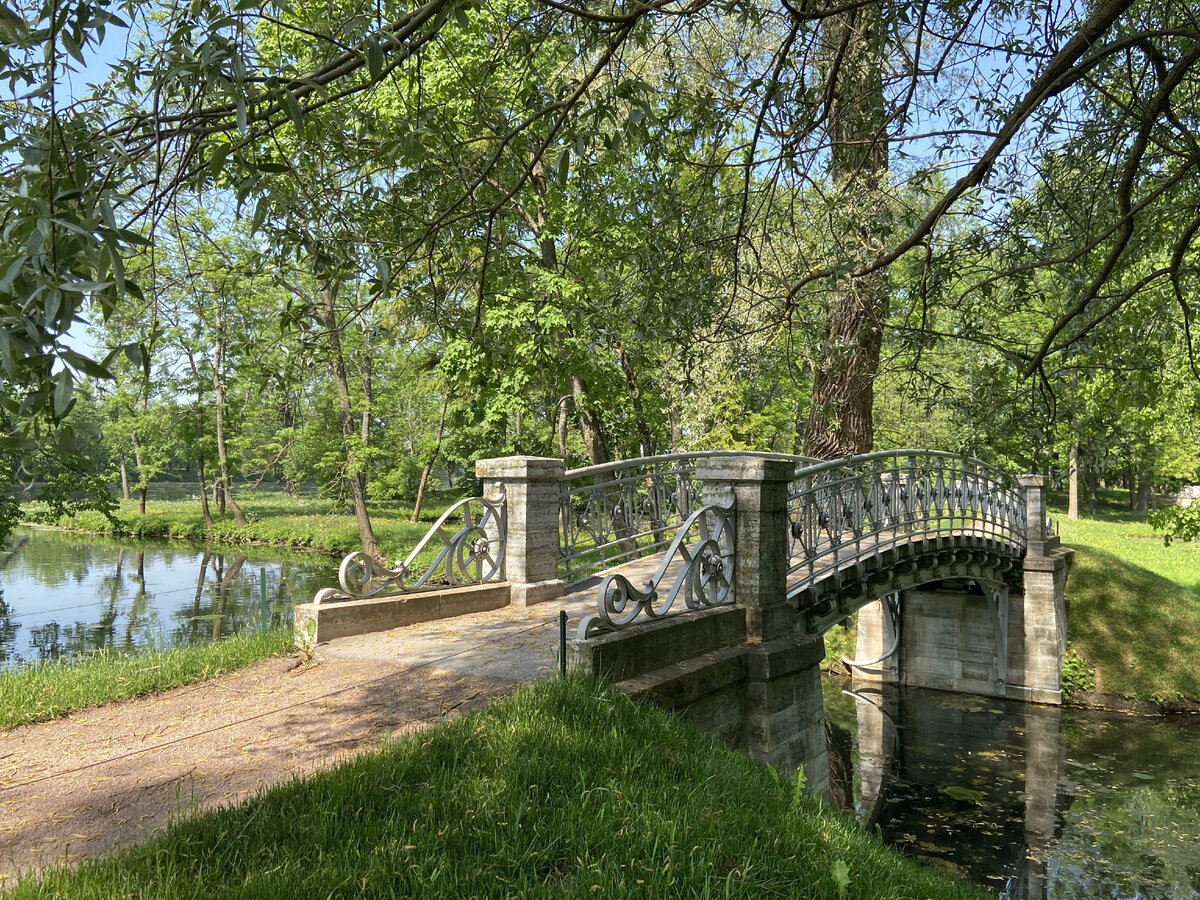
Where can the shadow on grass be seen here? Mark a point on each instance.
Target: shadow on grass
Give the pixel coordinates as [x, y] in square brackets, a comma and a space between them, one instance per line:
[1140, 630]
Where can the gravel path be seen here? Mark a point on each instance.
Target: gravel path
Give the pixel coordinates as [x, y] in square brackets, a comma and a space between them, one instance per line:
[80, 785]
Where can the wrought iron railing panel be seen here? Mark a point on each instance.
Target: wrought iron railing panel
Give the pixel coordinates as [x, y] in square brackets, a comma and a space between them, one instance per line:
[617, 512]
[698, 567]
[843, 511]
[466, 543]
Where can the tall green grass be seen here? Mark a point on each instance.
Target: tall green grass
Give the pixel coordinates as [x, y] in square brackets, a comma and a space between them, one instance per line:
[567, 789]
[42, 691]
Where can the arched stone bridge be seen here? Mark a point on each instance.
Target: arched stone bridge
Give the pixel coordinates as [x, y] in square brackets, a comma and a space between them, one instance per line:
[716, 575]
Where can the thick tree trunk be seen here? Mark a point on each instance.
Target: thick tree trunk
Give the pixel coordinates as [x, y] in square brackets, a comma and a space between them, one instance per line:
[1144, 501]
[218, 381]
[427, 469]
[593, 434]
[354, 474]
[846, 361]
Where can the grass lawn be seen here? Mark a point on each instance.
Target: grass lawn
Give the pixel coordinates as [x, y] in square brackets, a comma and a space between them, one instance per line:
[567, 789]
[43, 691]
[1133, 606]
[306, 522]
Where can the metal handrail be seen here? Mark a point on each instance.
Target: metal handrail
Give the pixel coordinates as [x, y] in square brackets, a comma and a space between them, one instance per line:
[703, 575]
[630, 508]
[472, 554]
[640, 461]
[845, 510]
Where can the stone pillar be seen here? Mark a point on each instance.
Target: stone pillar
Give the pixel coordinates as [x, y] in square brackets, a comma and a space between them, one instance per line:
[784, 722]
[530, 485]
[1040, 618]
[759, 488]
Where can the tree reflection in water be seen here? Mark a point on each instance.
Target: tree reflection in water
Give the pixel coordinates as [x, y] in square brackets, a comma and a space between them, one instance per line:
[1030, 801]
[73, 595]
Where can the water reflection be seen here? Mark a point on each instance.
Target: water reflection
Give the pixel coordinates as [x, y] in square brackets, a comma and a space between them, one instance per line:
[1031, 802]
[63, 595]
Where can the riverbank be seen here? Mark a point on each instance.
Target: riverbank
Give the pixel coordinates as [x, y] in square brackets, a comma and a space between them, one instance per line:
[307, 523]
[1133, 614]
[565, 789]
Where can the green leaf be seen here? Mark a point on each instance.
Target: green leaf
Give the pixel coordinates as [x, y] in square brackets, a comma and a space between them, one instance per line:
[88, 366]
[375, 59]
[840, 872]
[64, 389]
[564, 166]
[293, 109]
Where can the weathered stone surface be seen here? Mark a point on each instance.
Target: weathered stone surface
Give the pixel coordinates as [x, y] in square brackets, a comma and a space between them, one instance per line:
[760, 489]
[352, 617]
[530, 486]
[646, 648]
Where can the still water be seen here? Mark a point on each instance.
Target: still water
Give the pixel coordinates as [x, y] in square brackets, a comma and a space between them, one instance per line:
[67, 595]
[1030, 802]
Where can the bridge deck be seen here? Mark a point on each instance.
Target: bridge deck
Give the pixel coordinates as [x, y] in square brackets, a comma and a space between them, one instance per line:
[512, 644]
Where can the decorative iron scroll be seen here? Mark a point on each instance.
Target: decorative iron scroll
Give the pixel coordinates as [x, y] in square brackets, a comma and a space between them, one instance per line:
[471, 554]
[617, 512]
[849, 509]
[702, 573]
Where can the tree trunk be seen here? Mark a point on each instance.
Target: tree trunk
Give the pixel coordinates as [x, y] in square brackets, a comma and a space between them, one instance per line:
[1073, 453]
[846, 361]
[289, 424]
[593, 435]
[1093, 482]
[354, 474]
[124, 479]
[1073, 479]
[205, 509]
[635, 396]
[137, 461]
[1145, 491]
[218, 381]
[561, 425]
[433, 455]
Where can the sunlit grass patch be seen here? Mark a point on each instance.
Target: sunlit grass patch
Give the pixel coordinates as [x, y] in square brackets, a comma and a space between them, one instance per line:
[42, 691]
[565, 790]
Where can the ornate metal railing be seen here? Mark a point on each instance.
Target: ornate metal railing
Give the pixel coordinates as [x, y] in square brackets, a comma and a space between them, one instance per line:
[846, 510]
[617, 512]
[468, 553]
[698, 565]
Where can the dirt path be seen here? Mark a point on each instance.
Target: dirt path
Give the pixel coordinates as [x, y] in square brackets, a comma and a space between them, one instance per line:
[78, 786]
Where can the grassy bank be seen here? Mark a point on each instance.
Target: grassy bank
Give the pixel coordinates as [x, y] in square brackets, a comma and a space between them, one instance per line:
[46, 690]
[307, 522]
[1133, 608]
[564, 790]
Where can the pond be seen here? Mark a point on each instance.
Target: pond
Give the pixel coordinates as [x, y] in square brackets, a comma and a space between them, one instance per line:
[1027, 801]
[66, 595]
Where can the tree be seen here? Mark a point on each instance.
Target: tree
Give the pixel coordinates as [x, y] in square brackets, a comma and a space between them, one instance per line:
[811, 106]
